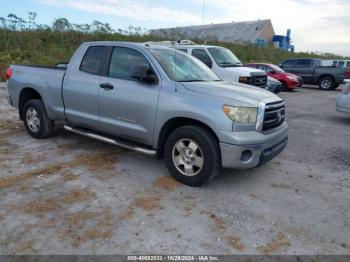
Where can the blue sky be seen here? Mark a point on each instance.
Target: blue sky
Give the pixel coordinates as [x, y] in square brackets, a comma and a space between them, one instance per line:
[317, 25]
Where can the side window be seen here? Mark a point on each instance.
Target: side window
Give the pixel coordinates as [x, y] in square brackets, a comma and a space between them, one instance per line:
[261, 67]
[335, 63]
[303, 63]
[348, 64]
[269, 69]
[93, 60]
[341, 64]
[182, 50]
[123, 63]
[202, 55]
[288, 63]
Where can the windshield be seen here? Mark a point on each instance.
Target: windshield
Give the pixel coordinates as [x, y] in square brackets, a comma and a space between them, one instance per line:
[276, 68]
[224, 57]
[183, 68]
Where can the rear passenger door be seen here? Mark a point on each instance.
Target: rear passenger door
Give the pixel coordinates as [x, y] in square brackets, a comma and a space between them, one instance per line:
[305, 69]
[80, 89]
[203, 56]
[127, 106]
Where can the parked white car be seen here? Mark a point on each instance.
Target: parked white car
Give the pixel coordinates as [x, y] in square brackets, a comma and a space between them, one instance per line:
[222, 61]
[337, 63]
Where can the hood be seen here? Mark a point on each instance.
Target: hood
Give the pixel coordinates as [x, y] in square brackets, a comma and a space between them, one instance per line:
[293, 75]
[246, 71]
[245, 94]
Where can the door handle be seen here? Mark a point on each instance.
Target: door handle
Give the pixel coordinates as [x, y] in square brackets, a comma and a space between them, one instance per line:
[106, 86]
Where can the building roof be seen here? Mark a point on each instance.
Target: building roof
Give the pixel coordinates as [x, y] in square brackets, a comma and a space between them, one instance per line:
[227, 32]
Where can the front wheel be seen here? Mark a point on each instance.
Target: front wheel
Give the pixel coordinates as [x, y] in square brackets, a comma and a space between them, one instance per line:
[36, 121]
[326, 83]
[192, 155]
[284, 86]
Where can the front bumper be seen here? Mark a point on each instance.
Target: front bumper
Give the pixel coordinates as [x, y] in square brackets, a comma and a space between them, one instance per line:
[246, 156]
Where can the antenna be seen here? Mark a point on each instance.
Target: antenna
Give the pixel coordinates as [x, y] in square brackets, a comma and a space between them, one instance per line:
[203, 12]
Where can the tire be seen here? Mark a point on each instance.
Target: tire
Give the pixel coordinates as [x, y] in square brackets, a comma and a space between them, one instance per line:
[284, 87]
[326, 83]
[336, 86]
[36, 121]
[202, 163]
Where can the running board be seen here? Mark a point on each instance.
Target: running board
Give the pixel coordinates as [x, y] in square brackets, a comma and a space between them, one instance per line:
[110, 141]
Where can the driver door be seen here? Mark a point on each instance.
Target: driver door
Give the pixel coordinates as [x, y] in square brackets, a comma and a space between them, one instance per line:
[127, 106]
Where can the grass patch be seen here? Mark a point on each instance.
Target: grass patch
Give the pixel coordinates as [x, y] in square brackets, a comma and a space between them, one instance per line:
[279, 243]
[100, 161]
[43, 206]
[236, 243]
[166, 182]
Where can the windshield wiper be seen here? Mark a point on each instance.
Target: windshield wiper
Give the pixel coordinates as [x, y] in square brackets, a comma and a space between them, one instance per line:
[227, 64]
[194, 80]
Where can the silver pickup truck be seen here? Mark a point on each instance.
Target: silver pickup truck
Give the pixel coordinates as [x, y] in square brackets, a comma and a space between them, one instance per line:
[153, 100]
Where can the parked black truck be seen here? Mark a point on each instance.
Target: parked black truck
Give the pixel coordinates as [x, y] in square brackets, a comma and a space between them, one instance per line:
[312, 72]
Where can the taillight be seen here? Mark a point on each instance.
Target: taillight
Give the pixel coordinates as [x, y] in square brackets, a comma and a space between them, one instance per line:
[8, 73]
[347, 73]
[346, 89]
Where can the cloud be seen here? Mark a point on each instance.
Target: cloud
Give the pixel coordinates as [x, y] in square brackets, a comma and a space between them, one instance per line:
[317, 25]
[127, 9]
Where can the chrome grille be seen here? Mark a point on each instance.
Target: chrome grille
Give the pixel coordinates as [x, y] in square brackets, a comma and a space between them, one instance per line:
[274, 115]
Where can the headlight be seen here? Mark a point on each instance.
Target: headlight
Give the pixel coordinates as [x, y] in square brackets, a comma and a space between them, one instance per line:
[241, 114]
[244, 80]
[292, 78]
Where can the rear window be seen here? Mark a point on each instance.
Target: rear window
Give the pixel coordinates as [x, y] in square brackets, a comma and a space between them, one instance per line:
[93, 60]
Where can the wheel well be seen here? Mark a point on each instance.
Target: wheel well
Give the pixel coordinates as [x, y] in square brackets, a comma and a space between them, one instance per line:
[26, 95]
[322, 76]
[175, 123]
[283, 82]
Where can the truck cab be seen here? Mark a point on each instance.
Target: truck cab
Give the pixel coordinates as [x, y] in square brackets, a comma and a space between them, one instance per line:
[225, 64]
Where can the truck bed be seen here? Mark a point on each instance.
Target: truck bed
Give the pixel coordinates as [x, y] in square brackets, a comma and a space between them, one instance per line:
[40, 78]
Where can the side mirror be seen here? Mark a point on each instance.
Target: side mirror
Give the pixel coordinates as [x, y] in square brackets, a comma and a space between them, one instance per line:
[144, 74]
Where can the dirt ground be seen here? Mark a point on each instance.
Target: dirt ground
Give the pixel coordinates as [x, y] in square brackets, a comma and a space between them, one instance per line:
[73, 195]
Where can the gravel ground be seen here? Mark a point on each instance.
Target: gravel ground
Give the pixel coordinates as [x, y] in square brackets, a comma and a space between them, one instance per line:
[72, 195]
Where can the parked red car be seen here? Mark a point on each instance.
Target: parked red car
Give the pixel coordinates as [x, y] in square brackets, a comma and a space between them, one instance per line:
[289, 81]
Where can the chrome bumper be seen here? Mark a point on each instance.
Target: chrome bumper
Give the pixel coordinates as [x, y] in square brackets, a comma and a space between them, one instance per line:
[249, 156]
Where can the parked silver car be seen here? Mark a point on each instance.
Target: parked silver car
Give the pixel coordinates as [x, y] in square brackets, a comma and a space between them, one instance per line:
[343, 100]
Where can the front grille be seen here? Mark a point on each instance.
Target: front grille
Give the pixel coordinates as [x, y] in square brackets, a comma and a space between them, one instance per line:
[274, 115]
[259, 81]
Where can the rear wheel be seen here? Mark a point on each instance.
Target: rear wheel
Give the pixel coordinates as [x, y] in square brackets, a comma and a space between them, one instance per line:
[326, 83]
[36, 121]
[192, 155]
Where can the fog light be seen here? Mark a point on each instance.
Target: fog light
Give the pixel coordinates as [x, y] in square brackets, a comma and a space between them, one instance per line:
[246, 156]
